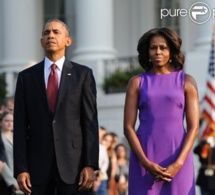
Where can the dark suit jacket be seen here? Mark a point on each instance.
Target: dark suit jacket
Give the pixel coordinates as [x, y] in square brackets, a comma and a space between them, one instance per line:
[71, 132]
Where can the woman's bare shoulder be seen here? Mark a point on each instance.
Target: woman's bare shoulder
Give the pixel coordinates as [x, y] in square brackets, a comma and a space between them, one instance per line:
[133, 83]
[190, 81]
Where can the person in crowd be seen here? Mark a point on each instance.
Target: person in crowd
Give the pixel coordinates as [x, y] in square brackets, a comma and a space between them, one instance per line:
[102, 132]
[100, 184]
[122, 169]
[61, 152]
[8, 183]
[161, 158]
[115, 139]
[8, 105]
[108, 141]
[205, 150]
[2, 160]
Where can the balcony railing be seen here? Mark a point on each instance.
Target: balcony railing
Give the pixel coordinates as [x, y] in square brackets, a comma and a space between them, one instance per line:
[118, 72]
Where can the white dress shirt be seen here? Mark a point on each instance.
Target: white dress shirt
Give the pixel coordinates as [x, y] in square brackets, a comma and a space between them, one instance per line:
[47, 68]
[103, 161]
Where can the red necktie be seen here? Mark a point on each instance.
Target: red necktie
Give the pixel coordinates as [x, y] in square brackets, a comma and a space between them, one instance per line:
[52, 87]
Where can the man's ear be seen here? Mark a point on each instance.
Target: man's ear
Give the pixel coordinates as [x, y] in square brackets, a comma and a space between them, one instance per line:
[68, 41]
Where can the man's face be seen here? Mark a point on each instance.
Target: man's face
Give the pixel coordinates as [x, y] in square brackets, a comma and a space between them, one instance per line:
[55, 38]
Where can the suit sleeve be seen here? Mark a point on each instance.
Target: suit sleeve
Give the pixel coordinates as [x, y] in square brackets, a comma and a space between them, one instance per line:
[90, 122]
[20, 129]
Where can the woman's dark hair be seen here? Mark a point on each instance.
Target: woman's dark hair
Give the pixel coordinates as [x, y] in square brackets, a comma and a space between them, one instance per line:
[4, 114]
[173, 40]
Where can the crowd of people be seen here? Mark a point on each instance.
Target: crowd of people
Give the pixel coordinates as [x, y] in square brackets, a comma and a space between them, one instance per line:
[8, 184]
[112, 178]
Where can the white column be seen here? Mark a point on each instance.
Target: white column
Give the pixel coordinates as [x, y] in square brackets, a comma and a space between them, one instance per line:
[147, 20]
[94, 30]
[9, 78]
[21, 31]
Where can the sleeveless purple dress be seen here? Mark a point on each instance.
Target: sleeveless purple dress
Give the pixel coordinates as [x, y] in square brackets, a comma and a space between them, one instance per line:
[161, 134]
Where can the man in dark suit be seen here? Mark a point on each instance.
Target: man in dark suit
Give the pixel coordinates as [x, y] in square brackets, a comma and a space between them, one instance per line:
[55, 132]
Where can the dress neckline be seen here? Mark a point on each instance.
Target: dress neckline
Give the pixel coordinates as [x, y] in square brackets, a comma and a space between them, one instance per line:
[167, 74]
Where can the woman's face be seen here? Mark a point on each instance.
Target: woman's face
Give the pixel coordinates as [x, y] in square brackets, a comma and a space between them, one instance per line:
[7, 123]
[121, 152]
[107, 141]
[159, 52]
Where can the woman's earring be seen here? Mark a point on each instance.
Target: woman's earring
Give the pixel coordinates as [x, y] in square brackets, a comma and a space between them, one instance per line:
[150, 60]
[170, 60]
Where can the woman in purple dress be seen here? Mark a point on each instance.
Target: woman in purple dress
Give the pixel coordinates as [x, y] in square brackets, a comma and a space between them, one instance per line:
[161, 159]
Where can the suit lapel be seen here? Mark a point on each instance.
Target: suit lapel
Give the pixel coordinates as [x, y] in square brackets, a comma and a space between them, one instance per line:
[40, 81]
[65, 81]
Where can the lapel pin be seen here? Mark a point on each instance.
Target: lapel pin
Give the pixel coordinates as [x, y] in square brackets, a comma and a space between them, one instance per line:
[69, 74]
